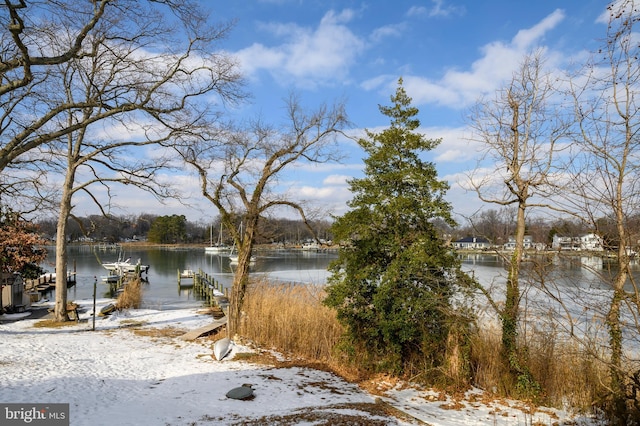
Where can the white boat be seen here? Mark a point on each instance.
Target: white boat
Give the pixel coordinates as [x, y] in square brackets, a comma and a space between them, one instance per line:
[187, 273]
[125, 266]
[222, 348]
[111, 279]
[311, 247]
[233, 257]
[218, 247]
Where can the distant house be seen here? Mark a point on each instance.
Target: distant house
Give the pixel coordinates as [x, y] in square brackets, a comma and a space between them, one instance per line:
[591, 242]
[472, 243]
[562, 243]
[527, 243]
[587, 242]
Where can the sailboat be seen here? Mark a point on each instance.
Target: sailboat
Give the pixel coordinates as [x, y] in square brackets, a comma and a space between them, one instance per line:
[234, 256]
[218, 247]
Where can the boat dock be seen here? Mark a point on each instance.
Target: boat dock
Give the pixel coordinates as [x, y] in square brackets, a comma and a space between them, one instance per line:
[46, 282]
[207, 329]
[205, 287]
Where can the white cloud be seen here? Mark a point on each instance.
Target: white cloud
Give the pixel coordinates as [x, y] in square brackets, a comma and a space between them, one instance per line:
[616, 7]
[309, 57]
[336, 180]
[439, 9]
[459, 88]
[386, 31]
[528, 37]
[417, 11]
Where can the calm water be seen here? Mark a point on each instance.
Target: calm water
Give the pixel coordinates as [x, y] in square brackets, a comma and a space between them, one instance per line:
[572, 271]
[162, 291]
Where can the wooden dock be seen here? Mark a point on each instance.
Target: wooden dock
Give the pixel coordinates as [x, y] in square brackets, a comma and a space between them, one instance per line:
[47, 282]
[204, 330]
[216, 296]
[207, 288]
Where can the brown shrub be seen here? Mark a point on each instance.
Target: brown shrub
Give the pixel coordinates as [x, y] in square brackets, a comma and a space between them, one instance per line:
[131, 296]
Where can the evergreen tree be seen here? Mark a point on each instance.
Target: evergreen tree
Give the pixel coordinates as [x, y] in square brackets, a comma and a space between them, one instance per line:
[393, 282]
[168, 229]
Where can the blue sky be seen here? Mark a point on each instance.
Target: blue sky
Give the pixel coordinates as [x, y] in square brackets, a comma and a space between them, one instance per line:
[449, 53]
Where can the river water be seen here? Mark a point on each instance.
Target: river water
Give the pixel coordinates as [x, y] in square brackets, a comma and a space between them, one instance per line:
[575, 275]
[569, 292]
[161, 290]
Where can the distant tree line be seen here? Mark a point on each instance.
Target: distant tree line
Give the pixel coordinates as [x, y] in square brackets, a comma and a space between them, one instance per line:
[497, 226]
[176, 229]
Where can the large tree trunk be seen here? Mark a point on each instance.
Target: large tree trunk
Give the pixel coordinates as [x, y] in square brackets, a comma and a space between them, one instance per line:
[60, 310]
[510, 314]
[241, 277]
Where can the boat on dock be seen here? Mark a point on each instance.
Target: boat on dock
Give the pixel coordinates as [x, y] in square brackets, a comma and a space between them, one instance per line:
[111, 278]
[125, 266]
[187, 273]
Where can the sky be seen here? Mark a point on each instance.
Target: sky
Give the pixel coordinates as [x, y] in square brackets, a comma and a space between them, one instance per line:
[449, 53]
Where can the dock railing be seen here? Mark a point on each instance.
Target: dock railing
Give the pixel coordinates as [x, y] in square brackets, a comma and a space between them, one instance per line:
[209, 289]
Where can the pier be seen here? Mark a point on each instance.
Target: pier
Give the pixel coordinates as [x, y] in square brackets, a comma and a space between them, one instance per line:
[47, 282]
[205, 287]
[216, 296]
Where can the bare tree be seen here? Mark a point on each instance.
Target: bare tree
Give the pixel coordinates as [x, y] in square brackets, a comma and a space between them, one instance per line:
[239, 173]
[139, 80]
[38, 37]
[519, 132]
[602, 184]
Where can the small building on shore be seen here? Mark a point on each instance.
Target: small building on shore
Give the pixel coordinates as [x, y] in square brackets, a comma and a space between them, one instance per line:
[14, 297]
[472, 243]
[586, 242]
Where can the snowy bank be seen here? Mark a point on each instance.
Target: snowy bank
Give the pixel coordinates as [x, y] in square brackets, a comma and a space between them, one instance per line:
[114, 375]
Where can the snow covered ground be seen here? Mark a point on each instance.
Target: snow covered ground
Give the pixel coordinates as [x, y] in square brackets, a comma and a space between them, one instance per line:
[127, 372]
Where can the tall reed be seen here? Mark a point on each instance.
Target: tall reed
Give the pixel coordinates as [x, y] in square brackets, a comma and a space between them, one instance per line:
[569, 374]
[292, 319]
[131, 296]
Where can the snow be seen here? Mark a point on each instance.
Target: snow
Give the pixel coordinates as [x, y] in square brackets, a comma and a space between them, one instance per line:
[115, 376]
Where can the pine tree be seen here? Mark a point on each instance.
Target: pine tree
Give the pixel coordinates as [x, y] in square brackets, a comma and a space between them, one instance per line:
[394, 279]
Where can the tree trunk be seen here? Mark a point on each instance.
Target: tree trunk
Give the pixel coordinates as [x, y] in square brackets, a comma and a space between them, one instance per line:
[241, 277]
[238, 290]
[614, 328]
[60, 310]
[510, 314]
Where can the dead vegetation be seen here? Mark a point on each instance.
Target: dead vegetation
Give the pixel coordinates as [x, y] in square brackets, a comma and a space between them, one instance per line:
[131, 296]
[291, 320]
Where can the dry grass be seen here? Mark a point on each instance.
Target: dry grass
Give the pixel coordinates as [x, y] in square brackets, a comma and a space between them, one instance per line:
[52, 323]
[292, 320]
[131, 296]
[567, 374]
[166, 332]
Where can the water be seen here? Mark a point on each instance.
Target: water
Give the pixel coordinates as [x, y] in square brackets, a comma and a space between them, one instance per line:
[569, 295]
[161, 291]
